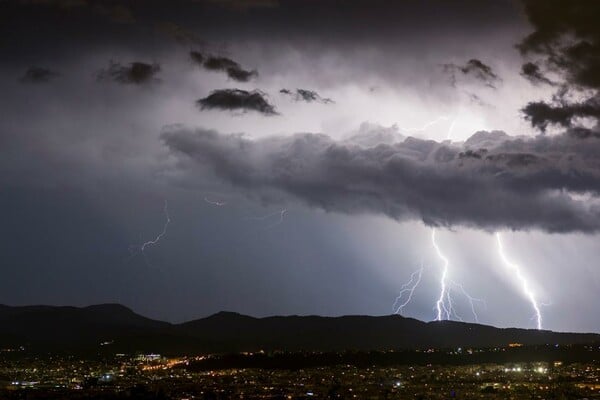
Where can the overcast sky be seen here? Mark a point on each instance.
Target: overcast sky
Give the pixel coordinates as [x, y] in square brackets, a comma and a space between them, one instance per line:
[293, 157]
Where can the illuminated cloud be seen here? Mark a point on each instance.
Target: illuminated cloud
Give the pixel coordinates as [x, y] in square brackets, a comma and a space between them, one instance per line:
[516, 183]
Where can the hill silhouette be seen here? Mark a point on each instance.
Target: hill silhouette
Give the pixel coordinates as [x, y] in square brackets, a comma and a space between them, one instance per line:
[119, 329]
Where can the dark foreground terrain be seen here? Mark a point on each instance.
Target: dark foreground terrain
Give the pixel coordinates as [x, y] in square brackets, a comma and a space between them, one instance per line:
[109, 352]
[113, 328]
[151, 376]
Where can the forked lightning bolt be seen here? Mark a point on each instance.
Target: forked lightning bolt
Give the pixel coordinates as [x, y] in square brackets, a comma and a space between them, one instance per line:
[444, 306]
[522, 280]
[407, 290]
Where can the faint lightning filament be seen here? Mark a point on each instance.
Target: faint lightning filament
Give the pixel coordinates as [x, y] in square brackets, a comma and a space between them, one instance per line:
[161, 234]
[408, 288]
[524, 285]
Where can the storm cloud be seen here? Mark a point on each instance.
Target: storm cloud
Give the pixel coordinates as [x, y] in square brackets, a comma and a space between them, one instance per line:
[136, 73]
[306, 95]
[475, 69]
[533, 74]
[227, 65]
[237, 100]
[567, 40]
[516, 183]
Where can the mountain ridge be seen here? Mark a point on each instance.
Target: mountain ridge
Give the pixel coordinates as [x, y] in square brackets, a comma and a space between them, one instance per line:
[67, 328]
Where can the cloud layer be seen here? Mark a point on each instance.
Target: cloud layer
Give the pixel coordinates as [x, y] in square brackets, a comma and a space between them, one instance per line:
[491, 181]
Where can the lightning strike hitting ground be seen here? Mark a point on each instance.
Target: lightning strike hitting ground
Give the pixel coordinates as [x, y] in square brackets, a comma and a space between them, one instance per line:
[408, 288]
[444, 306]
[472, 300]
[440, 304]
[524, 285]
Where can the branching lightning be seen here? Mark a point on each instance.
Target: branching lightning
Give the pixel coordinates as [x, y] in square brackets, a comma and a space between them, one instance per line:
[444, 306]
[407, 290]
[524, 285]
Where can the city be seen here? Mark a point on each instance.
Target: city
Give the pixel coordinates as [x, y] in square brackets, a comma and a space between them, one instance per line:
[152, 376]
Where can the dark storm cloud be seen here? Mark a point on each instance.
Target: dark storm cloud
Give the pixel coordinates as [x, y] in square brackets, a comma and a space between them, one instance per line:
[475, 69]
[38, 75]
[224, 64]
[541, 114]
[306, 95]
[517, 183]
[567, 38]
[237, 100]
[137, 73]
[533, 74]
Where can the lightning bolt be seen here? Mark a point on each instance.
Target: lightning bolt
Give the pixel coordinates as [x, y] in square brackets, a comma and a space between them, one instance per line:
[214, 202]
[281, 213]
[472, 300]
[441, 304]
[161, 234]
[427, 124]
[444, 306]
[409, 287]
[521, 278]
[451, 129]
[280, 220]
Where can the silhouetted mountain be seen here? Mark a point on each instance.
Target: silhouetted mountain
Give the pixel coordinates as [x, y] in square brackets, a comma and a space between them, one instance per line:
[42, 328]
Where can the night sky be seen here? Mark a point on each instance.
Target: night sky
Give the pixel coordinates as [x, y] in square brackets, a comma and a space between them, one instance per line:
[298, 157]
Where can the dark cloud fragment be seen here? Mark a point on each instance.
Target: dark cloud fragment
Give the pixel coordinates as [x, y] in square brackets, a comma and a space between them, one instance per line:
[541, 114]
[533, 74]
[567, 38]
[217, 63]
[475, 69]
[38, 75]
[516, 183]
[306, 95]
[136, 73]
[237, 100]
